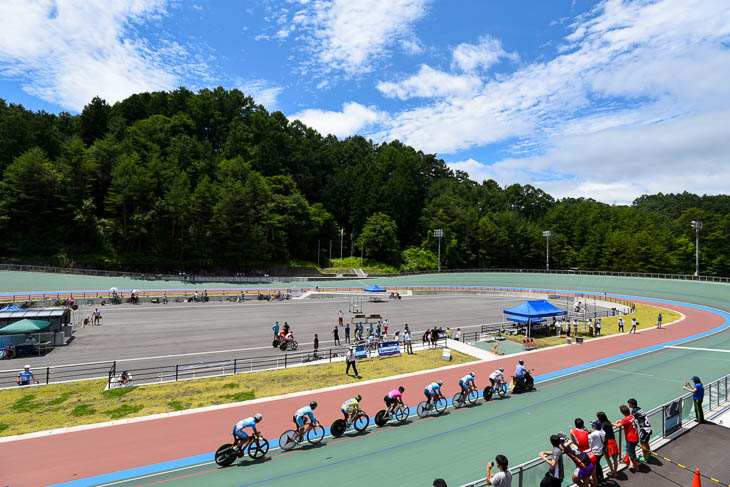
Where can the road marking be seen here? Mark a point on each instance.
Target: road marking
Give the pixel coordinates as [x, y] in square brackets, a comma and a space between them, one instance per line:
[698, 349]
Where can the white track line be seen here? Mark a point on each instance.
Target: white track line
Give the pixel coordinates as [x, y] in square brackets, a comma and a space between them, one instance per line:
[698, 349]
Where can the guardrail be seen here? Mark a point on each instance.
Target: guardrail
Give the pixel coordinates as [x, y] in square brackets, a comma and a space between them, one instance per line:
[59, 373]
[532, 472]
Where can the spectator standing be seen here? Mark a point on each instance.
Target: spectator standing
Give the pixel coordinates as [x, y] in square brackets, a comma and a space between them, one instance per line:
[579, 434]
[351, 359]
[409, 344]
[347, 333]
[612, 451]
[659, 321]
[620, 324]
[276, 329]
[97, 317]
[458, 335]
[385, 326]
[25, 376]
[316, 345]
[448, 332]
[164, 297]
[642, 421]
[632, 436]
[597, 440]
[698, 395]
[575, 328]
[503, 478]
[340, 317]
[634, 323]
[554, 476]
[336, 335]
[598, 326]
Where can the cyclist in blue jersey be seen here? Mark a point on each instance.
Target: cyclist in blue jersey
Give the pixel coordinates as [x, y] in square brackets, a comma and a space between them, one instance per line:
[302, 414]
[433, 391]
[351, 407]
[467, 382]
[238, 429]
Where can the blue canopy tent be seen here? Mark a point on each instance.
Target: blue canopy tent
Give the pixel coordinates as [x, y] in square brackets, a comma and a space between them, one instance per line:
[532, 312]
[374, 289]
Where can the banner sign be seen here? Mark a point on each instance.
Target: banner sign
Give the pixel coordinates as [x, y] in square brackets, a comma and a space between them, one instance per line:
[360, 352]
[388, 348]
[672, 416]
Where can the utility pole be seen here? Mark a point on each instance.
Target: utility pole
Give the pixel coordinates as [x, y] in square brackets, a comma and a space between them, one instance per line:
[318, 251]
[438, 233]
[330, 262]
[697, 226]
[362, 251]
[342, 234]
[547, 234]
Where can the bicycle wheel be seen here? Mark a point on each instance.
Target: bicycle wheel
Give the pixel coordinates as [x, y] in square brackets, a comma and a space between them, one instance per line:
[362, 421]
[275, 343]
[502, 390]
[338, 428]
[294, 345]
[402, 413]
[288, 440]
[422, 409]
[315, 434]
[225, 455]
[380, 418]
[472, 397]
[258, 448]
[488, 391]
[440, 405]
[458, 400]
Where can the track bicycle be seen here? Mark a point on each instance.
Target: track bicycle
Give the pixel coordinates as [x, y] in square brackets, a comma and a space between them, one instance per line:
[425, 408]
[256, 444]
[360, 423]
[400, 413]
[500, 389]
[313, 433]
[460, 398]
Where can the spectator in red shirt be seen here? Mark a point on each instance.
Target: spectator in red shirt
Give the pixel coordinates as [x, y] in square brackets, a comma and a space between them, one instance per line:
[580, 435]
[632, 436]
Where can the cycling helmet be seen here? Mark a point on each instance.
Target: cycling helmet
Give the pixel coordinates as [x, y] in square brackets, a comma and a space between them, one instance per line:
[472, 374]
[358, 398]
[258, 417]
[313, 404]
[522, 362]
[439, 382]
[501, 369]
[401, 389]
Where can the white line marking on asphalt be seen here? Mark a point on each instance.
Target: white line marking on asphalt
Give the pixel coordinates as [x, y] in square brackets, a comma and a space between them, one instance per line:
[698, 349]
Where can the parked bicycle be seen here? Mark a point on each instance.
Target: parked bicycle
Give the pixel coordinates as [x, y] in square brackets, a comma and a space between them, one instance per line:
[360, 423]
[256, 445]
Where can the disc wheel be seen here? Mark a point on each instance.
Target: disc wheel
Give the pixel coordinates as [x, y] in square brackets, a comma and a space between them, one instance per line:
[294, 345]
[288, 440]
[315, 434]
[441, 406]
[380, 418]
[458, 400]
[361, 422]
[338, 428]
[258, 448]
[402, 413]
[488, 392]
[225, 455]
[422, 409]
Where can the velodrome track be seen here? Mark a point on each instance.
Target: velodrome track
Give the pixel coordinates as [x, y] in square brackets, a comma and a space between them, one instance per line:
[454, 446]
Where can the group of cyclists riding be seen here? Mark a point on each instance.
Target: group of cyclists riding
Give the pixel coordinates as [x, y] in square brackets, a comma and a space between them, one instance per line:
[304, 417]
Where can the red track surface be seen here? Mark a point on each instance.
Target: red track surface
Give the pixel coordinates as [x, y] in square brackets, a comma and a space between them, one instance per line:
[76, 455]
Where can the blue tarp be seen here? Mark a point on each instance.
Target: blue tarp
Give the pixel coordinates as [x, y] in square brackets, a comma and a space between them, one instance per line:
[539, 308]
[374, 289]
[12, 307]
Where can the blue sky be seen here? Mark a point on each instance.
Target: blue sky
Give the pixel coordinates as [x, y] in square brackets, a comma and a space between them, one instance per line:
[604, 99]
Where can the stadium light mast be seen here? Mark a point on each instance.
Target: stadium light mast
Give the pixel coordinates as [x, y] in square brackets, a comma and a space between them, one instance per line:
[697, 226]
[439, 233]
[547, 234]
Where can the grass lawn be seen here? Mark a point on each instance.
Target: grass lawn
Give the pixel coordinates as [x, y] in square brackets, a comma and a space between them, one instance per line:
[61, 405]
[645, 315]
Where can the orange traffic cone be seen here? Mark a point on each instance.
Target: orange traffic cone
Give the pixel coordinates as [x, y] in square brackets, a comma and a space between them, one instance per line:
[697, 482]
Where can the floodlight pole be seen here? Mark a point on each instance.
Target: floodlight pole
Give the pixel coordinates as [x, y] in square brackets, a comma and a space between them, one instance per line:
[697, 225]
[547, 234]
[342, 234]
[438, 233]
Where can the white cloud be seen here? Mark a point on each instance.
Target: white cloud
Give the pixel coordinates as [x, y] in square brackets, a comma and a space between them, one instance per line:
[353, 118]
[352, 36]
[67, 52]
[262, 92]
[431, 83]
[485, 54]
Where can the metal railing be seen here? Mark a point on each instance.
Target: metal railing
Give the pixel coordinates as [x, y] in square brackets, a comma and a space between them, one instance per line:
[717, 395]
[59, 373]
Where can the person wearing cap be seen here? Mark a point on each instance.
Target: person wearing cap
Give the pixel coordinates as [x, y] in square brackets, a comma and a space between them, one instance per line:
[597, 440]
[25, 376]
[698, 395]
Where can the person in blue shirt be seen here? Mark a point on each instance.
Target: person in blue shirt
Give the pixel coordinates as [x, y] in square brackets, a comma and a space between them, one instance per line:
[276, 329]
[698, 395]
[520, 371]
[466, 382]
[238, 429]
[433, 390]
[25, 376]
[303, 414]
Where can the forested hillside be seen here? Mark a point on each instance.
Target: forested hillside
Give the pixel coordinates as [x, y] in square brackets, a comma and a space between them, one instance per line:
[211, 180]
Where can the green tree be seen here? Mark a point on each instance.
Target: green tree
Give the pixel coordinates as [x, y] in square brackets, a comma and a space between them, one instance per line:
[379, 237]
